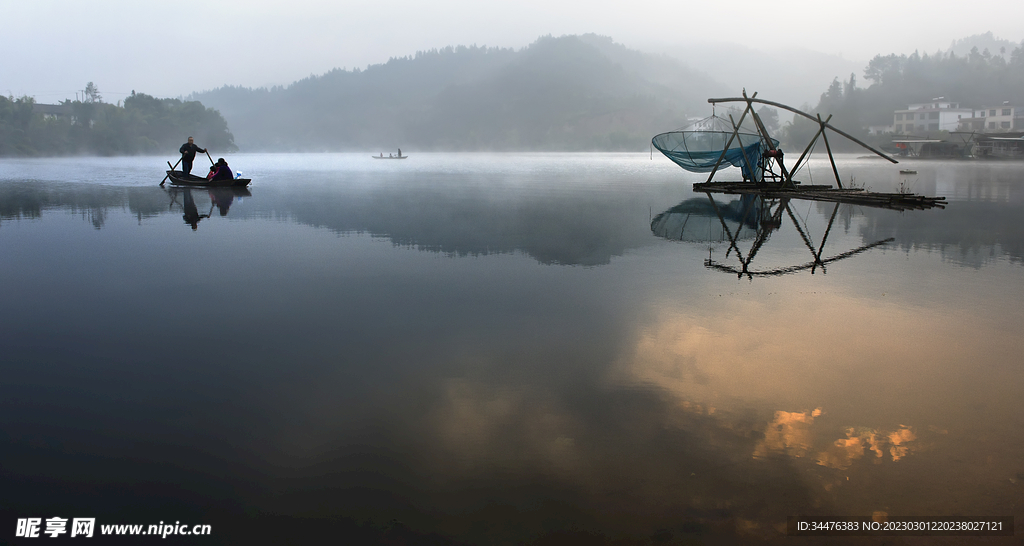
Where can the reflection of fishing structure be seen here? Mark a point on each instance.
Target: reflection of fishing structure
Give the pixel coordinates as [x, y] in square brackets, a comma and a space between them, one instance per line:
[221, 198]
[753, 217]
[715, 142]
[700, 220]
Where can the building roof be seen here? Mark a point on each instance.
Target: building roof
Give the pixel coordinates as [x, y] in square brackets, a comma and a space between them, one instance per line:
[52, 109]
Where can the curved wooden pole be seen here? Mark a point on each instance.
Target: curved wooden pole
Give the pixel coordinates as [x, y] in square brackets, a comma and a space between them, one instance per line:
[801, 113]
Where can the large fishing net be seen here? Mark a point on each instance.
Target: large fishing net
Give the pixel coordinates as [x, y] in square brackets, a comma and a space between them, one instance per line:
[698, 147]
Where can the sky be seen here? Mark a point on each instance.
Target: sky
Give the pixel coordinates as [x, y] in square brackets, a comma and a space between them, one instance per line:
[50, 49]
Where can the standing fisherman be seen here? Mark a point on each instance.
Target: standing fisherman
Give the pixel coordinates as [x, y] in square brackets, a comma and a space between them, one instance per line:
[188, 153]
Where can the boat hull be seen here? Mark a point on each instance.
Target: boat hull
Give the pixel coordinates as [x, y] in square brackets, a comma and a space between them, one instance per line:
[179, 178]
[379, 157]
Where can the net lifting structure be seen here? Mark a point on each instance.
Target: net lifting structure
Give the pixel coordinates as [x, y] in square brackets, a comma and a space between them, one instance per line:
[716, 142]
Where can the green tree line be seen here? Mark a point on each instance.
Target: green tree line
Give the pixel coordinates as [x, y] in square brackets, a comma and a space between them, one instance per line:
[976, 80]
[143, 125]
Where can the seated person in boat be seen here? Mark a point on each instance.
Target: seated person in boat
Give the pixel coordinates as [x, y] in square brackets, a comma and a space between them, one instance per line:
[223, 171]
[213, 171]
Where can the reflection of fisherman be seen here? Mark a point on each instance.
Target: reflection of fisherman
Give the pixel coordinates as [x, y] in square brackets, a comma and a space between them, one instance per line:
[192, 216]
[188, 154]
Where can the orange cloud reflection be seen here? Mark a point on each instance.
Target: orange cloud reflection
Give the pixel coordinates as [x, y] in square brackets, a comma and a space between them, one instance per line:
[792, 433]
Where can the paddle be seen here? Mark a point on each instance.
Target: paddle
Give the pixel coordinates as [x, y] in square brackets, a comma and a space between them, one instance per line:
[211, 159]
[169, 174]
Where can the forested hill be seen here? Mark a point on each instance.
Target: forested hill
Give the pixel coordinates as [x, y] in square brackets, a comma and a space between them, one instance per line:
[979, 79]
[567, 93]
[144, 125]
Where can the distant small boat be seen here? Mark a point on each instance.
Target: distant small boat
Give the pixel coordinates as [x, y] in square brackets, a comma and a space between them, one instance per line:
[908, 171]
[390, 157]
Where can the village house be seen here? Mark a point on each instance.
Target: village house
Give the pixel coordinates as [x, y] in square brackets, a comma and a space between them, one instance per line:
[52, 111]
[937, 115]
[994, 119]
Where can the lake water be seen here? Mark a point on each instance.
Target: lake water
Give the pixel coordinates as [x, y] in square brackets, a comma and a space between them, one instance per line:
[499, 349]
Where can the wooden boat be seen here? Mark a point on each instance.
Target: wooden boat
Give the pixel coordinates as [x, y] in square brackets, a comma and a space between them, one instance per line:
[390, 157]
[179, 178]
[908, 171]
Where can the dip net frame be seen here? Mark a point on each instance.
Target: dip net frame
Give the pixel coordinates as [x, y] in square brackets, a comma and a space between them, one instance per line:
[745, 143]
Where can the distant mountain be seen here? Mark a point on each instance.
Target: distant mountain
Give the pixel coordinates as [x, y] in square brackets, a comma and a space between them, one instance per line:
[566, 93]
[792, 76]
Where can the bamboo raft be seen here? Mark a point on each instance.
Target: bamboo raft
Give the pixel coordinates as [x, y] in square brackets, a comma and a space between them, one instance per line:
[851, 196]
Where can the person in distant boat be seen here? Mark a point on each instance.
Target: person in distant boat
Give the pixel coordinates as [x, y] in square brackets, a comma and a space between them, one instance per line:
[382, 154]
[391, 155]
[223, 171]
[188, 154]
[399, 152]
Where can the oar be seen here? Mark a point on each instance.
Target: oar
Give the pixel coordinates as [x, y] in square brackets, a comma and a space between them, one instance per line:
[169, 174]
[211, 159]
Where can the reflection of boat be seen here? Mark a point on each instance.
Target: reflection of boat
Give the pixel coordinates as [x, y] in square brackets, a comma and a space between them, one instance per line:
[908, 171]
[234, 191]
[181, 179]
[221, 198]
[224, 197]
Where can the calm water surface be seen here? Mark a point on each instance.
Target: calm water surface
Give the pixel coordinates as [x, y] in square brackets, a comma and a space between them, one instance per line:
[504, 349]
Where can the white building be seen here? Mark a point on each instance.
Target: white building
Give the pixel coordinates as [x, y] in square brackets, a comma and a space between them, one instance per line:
[922, 117]
[994, 119]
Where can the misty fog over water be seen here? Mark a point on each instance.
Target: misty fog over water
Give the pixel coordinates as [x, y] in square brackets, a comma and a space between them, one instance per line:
[501, 349]
[530, 329]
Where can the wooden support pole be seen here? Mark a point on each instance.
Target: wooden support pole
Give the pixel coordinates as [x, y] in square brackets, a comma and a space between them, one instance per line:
[786, 178]
[828, 149]
[734, 135]
[807, 150]
[750, 168]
